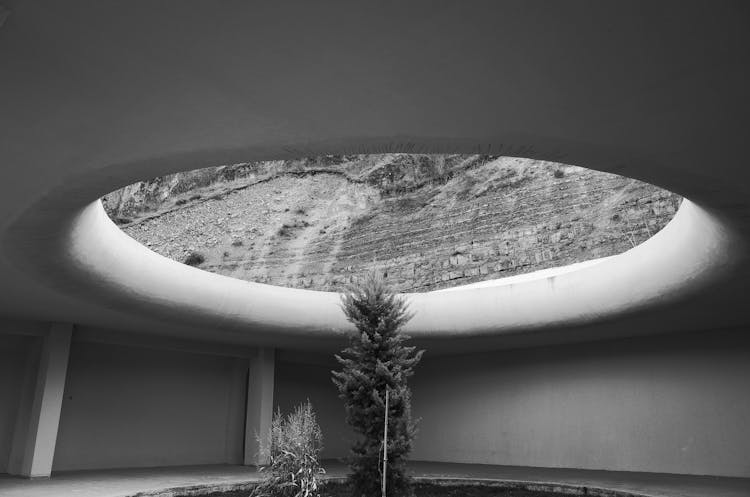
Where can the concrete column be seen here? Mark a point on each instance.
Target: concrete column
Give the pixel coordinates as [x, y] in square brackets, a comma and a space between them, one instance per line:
[259, 406]
[36, 427]
[235, 432]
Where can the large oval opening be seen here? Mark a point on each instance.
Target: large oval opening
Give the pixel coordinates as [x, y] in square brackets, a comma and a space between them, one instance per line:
[424, 221]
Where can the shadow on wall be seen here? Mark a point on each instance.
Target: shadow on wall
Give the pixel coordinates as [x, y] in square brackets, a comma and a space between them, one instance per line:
[294, 383]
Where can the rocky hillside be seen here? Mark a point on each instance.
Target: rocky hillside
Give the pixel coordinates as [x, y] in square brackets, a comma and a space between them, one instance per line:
[425, 221]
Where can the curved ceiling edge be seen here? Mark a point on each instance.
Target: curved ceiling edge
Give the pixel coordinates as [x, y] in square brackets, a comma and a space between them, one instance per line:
[86, 257]
[110, 267]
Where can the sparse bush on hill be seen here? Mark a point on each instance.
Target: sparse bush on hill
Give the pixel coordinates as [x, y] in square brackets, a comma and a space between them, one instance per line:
[286, 229]
[194, 259]
[294, 444]
[362, 219]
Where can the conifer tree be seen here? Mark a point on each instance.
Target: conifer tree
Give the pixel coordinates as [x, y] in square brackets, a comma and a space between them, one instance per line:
[375, 360]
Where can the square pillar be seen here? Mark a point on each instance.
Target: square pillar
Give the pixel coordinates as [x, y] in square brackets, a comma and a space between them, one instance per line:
[38, 418]
[259, 413]
[235, 431]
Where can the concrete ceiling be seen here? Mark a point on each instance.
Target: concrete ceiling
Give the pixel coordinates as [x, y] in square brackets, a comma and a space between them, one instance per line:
[96, 95]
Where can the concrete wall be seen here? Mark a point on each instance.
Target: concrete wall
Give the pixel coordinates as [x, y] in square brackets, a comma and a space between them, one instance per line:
[127, 406]
[15, 353]
[674, 404]
[297, 382]
[670, 403]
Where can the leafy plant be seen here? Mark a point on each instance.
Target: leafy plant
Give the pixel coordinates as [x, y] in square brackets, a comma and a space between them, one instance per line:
[376, 360]
[295, 442]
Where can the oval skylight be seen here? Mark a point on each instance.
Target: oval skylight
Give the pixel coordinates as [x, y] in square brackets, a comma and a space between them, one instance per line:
[426, 222]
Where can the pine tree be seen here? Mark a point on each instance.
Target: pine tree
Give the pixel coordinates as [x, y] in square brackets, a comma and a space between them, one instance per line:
[375, 360]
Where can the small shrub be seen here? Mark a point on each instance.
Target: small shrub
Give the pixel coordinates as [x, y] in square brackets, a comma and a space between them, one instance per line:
[300, 210]
[287, 229]
[236, 243]
[559, 173]
[294, 445]
[194, 259]
[362, 219]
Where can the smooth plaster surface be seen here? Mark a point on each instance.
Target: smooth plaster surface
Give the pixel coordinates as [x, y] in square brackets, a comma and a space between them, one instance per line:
[660, 404]
[38, 448]
[14, 354]
[668, 404]
[641, 404]
[195, 85]
[97, 95]
[259, 412]
[135, 407]
[296, 383]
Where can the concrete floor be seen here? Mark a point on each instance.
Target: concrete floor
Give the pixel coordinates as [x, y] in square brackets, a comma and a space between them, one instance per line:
[166, 481]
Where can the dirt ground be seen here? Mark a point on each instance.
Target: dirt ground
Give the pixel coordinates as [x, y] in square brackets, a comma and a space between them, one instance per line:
[427, 489]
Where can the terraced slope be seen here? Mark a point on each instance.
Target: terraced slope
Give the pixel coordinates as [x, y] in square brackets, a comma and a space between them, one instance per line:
[426, 222]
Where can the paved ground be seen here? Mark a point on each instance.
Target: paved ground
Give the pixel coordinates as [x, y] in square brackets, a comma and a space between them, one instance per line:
[652, 484]
[154, 481]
